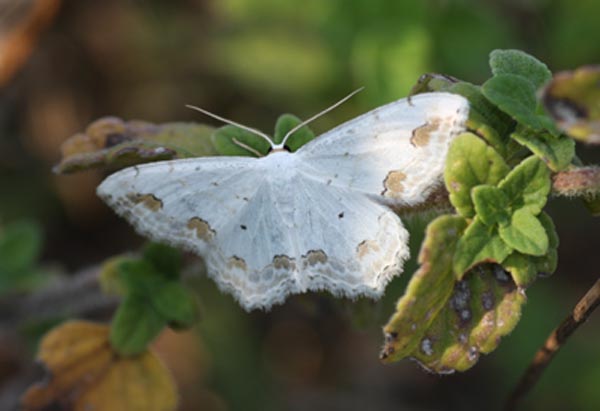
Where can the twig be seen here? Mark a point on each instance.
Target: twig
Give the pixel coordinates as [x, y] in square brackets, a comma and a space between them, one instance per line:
[555, 341]
[577, 182]
[78, 295]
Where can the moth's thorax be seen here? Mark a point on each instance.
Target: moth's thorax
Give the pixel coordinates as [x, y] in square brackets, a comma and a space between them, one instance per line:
[280, 165]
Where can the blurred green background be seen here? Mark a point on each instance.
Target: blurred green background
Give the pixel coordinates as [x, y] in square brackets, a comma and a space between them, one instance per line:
[66, 63]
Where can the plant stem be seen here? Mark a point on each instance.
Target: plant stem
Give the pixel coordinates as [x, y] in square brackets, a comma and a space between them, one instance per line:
[555, 341]
[577, 182]
[78, 295]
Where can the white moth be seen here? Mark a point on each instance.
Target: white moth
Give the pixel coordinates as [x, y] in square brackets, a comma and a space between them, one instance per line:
[315, 219]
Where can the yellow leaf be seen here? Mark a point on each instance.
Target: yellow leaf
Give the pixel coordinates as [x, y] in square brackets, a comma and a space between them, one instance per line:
[86, 374]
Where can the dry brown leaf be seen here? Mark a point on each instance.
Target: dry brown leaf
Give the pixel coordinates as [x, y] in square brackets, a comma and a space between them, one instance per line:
[21, 25]
[84, 373]
[113, 143]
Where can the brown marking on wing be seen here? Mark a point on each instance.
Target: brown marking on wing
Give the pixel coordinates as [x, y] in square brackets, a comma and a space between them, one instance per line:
[283, 262]
[392, 185]
[150, 201]
[237, 262]
[422, 134]
[367, 247]
[202, 228]
[314, 257]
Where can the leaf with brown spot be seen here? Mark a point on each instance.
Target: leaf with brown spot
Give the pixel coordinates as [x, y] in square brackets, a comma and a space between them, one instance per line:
[428, 290]
[484, 307]
[113, 143]
[573, 100]
[84, 373]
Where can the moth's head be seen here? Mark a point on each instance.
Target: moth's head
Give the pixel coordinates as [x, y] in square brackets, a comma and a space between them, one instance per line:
[278, 150]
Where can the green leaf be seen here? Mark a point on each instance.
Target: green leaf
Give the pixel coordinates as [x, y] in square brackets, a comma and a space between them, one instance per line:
[522, 268]
[525, 233]
[515, 96]
[477, 125]
[176, 304]
[140, 277]
[428, 290]
[113, 143]
[520, 63]
[227, 141]
[546, 264]
[480, 243]
[284, 124]
[484, 117]
[20, 245]
[526, 268]
[135, 325]
[491, 205]
[471, 162]
[556, 152]
[573, 101]
[161, 290]
[110, 278]
[484, 307]
[165, 259]
[528, 185]
[124, 274]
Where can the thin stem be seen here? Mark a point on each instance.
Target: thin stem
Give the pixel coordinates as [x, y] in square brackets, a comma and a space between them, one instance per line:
[577, 182]
[79, 295]
[555, 341]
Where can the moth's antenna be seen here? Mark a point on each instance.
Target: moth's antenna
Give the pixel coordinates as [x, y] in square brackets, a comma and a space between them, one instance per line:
[319, 114]
[247, 147]
[233, 123]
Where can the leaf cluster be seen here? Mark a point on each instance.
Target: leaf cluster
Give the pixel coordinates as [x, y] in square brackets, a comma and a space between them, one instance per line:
[476, 264]
[153, 297]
